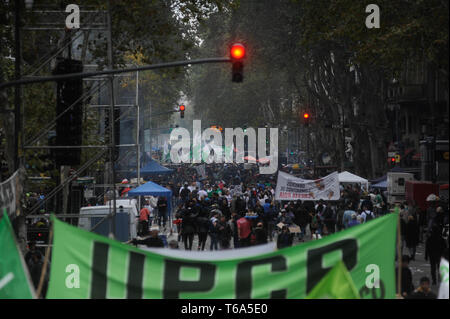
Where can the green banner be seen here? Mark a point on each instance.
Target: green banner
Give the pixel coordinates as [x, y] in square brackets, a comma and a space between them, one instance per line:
[87, 265]
[14, 279]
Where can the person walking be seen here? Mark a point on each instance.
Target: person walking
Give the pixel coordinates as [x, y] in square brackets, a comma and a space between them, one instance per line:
[412, 236]
[184, 193]
[329, 220]
[202, 231]
[347, 217]
[188, 225]
[144, 216]
[434, 249]
[244, 227]
[302, 219]
[214, 233]
[407, 286]
[224, 233]
[162, 211]
[260, 234]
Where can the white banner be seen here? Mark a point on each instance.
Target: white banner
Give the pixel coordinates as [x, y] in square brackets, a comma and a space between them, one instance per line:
[293, 188]
[9, 195]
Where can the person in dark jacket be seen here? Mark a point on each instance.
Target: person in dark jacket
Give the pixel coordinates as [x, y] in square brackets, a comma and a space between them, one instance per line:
[301, 219]
[162, 210]
[407, 280]
[184, 193]
[202, 230]
[260, 234]
[329, 219]
[188, 226]
[434, 249]
[223, 206]
[412, 236]
[223, 233]
[285, 239]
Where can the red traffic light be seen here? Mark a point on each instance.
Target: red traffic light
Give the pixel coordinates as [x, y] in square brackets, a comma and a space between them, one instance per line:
[182, 107]
[393, 159]
[305, 115]
[237, 51]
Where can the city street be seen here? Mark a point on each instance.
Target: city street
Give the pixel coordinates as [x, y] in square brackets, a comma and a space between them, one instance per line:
[236, 118]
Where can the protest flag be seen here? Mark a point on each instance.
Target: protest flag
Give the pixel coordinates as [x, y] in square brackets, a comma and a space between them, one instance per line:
[15, 282]
[337, 284]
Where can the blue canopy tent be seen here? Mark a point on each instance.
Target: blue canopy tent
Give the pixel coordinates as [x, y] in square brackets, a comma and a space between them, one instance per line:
[153, 189]
[153, 168]
[382, 184]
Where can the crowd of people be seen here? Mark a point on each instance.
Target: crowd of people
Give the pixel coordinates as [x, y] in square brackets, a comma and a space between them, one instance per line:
[219, 210]
[236, 208]
[241, 211]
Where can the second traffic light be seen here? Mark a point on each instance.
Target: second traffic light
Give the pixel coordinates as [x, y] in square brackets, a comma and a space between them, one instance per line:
[182, 108]
[306, 117]
[237, 53]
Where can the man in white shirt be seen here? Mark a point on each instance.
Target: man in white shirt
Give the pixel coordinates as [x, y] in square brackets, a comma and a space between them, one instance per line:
[202, 193]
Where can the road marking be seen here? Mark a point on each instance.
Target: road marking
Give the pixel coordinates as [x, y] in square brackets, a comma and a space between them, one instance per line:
[6, 280]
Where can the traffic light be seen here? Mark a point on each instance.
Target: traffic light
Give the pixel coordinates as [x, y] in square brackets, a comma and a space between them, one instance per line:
[237, 54]
[306, 117]
[181, 109]
[391, 161]
[69, 125]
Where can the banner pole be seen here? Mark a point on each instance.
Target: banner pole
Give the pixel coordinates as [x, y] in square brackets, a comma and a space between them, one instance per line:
[44, 267]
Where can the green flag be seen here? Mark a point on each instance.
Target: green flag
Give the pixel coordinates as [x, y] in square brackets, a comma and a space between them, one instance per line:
[337, 284]
[87, 265]
[14, 279]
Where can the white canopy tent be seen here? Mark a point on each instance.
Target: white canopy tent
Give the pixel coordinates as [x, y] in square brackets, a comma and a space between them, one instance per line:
[346, 177]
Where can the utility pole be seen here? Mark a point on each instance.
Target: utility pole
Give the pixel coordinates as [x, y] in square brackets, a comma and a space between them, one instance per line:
[17, 89]
[138, 127]
[112, 230]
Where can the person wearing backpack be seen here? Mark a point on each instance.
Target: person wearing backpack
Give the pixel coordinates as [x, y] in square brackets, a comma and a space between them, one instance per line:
[184, 193]
[367, 215]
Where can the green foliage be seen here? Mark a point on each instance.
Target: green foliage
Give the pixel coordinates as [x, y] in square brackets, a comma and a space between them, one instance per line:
[408, 28]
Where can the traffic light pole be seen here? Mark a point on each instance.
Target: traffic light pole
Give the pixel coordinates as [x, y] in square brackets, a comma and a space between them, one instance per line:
[112, 230]
[111, 72]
